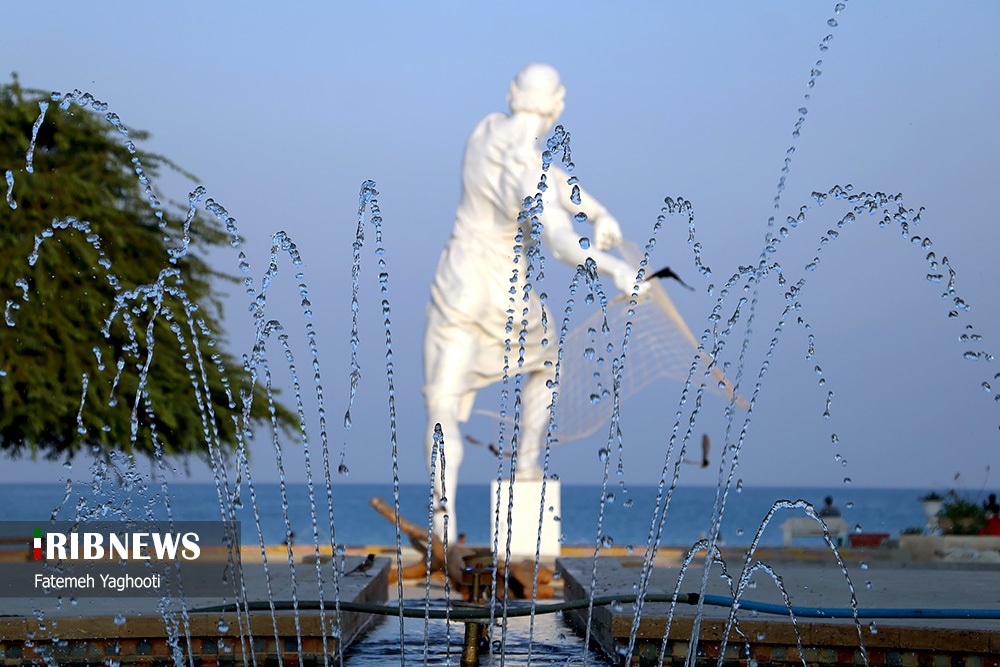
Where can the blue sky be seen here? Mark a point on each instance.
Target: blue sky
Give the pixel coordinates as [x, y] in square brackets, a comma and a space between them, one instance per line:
[283, 111]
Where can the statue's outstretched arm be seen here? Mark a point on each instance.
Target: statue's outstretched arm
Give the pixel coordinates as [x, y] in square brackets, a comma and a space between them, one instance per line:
[607, 232]
[564, 242]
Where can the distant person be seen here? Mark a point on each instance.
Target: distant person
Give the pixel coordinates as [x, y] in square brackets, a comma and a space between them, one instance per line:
[828, 509]
[992, 510]
[471, 298]
[991, 506]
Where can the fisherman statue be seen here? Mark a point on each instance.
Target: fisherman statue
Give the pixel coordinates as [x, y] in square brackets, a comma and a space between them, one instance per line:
[467, 317]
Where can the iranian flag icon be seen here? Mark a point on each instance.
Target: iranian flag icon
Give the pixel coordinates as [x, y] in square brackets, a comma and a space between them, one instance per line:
[38, 544]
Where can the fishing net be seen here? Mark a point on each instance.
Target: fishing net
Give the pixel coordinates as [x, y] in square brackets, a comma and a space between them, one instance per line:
[660, 346]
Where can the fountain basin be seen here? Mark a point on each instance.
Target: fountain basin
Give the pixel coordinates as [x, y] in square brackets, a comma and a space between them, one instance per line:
[771, 639]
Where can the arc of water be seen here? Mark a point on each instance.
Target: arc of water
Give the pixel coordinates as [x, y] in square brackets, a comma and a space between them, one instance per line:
[530, 206]
[300, 409]
[446, 564]
[530, 214]
[760, 271]
[437, 447]
[9, 177]
[748, 570]
[594, 285]
[368, 201]
[659, 512]
[200, 384]
[578, 276]
[158, 290]
[256, 366]
[29, 155]
[228, 501]
[283, 492]
[662, 502]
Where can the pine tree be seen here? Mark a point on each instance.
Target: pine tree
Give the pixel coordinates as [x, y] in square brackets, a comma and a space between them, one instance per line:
[110, 339]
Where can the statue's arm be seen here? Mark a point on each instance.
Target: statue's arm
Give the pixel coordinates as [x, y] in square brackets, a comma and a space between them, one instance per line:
[563, 240]
[607, 232]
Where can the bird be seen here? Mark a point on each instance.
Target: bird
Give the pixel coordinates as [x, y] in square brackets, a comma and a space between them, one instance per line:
[705, 444]
[667, 272]
[363, 567]
[494, 450]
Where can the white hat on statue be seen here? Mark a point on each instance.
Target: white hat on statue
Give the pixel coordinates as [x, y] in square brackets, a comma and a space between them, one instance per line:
[537, 89]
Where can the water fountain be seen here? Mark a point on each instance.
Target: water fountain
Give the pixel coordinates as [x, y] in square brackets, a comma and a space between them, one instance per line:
[727, 337]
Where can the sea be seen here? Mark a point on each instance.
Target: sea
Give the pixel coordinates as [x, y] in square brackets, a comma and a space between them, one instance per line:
[626, 521]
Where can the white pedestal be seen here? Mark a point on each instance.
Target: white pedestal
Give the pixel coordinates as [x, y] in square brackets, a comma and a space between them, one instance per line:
[524, 517]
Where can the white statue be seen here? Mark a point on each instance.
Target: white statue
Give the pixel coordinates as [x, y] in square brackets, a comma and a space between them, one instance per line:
[468, 311]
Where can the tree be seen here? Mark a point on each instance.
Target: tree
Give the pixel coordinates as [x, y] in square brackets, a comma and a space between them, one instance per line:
[110, 340]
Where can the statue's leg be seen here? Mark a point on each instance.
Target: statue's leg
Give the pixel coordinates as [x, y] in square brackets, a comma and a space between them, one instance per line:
[536, 398]
[449, 354]
[445, 410]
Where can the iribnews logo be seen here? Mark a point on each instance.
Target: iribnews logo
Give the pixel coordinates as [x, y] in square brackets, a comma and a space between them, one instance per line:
[125, 546]
[132, 558]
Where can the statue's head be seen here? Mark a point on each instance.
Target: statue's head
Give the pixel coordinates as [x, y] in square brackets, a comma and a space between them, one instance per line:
[536, 89]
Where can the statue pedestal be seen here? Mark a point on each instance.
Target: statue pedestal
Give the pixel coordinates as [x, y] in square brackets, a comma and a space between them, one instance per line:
[524, 517]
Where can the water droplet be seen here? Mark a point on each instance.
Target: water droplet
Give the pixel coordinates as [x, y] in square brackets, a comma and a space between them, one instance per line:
[873, 628]
[585, 243]
[120, 619]
[848, 481]
[864, 565]
[222, 625]
[603, 454]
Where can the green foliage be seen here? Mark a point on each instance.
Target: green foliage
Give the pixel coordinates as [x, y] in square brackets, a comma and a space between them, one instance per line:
[964, 517]
[104, 305]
